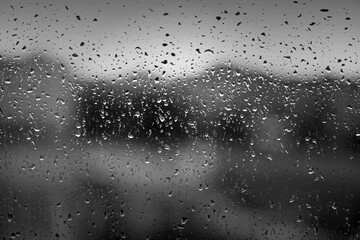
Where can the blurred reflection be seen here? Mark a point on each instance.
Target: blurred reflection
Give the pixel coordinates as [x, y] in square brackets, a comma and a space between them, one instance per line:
[225, 154]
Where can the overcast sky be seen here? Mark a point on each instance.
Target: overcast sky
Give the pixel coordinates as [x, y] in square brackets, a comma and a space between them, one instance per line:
[108, 38]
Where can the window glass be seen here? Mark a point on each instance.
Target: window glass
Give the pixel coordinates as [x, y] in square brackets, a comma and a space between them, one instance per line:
[179, 119]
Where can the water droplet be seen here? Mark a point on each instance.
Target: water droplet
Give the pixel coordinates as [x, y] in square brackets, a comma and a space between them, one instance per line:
[78, 133]
[184, 220]
[10, 216]
[292, 199]
[122, 213]
[334, 206]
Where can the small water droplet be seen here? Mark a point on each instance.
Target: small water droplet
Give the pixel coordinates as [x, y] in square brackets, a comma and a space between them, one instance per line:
[184, 220]
[334, 206]
[10, 216]
[78, 134]
[292, 199]
[122, 213]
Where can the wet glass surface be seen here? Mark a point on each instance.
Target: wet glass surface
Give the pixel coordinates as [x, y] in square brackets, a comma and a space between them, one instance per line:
[177, 120]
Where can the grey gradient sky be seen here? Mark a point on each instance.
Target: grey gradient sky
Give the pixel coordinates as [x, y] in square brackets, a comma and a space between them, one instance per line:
[108, 38]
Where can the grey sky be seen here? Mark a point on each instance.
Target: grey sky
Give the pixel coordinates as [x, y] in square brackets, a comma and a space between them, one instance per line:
[184, 37]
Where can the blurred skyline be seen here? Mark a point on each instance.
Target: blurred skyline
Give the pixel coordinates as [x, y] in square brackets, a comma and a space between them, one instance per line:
[177, 38]
[285, 144]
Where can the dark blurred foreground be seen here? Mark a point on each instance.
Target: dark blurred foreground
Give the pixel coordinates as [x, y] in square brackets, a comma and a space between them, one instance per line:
[228, 154]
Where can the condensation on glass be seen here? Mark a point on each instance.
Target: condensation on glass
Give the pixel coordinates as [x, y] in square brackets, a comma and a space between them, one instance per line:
[179, 120]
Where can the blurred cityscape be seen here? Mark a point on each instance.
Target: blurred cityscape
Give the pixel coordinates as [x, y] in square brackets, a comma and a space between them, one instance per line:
[227, 154]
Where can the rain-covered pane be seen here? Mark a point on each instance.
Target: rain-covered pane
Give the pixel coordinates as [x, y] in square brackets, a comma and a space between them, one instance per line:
[180, 120]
